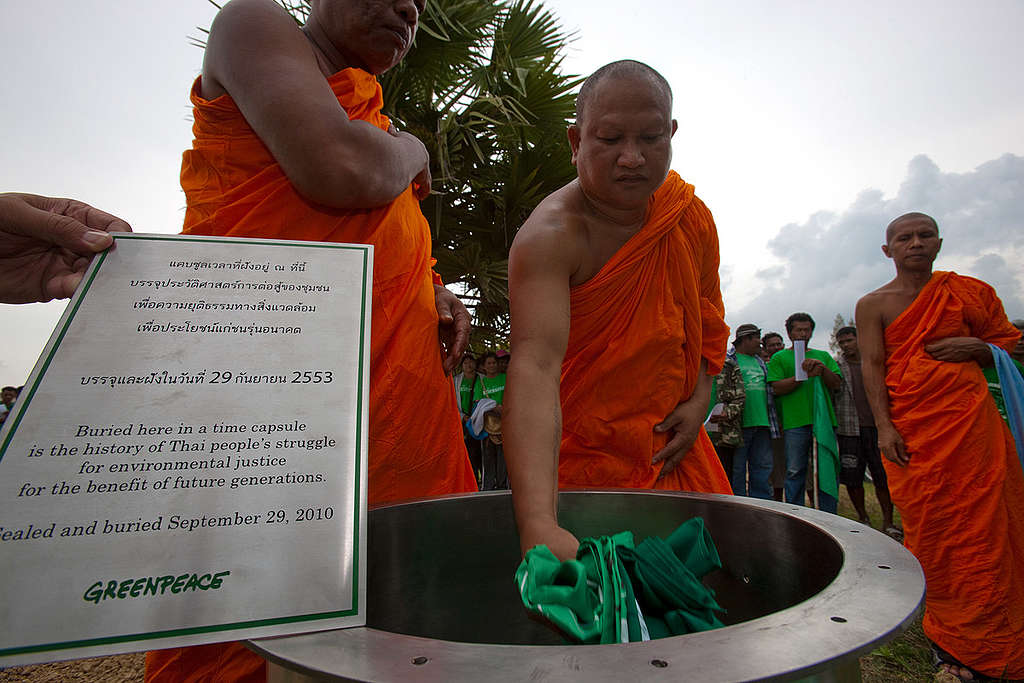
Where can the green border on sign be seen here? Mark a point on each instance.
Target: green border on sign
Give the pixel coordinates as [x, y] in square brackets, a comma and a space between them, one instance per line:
[70, 315]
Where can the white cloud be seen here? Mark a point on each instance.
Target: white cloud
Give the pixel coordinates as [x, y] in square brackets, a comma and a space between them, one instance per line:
[825, 264]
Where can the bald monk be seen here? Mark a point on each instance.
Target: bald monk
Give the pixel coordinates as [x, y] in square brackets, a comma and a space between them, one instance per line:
[290, 142]
[617, 317]
[953, 471]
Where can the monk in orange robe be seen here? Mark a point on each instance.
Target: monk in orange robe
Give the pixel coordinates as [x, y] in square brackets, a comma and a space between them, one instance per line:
[953, 470]
[617, 316]
[290, 143]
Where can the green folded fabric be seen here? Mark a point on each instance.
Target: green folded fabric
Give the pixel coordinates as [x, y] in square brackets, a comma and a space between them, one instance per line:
[617, 592]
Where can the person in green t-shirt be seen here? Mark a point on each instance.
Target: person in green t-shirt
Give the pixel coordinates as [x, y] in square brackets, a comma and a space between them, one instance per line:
[995, 388]
[753, 457]
[492, 386]
[492, 382]
[992, 377]
[796, 402]
[465, 384]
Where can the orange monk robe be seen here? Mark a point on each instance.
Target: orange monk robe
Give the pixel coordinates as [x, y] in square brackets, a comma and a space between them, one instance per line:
[233, 187]
[962, 495]
[638, 331]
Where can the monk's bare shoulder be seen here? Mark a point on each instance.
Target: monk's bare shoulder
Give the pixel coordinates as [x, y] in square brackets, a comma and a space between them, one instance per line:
[555, 233]
[241, 29]
[884, 304]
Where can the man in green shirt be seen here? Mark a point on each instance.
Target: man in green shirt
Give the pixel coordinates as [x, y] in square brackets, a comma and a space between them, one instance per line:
[796, 402]
[758, 421]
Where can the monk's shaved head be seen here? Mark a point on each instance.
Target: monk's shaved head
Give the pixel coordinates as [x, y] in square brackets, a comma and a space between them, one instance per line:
[913, 214]
[626, 68]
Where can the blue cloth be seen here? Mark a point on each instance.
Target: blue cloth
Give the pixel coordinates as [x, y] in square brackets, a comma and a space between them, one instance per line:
[757, 451]
[1012, 385]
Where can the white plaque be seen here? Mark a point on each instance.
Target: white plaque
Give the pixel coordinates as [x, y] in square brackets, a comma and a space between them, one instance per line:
[187, 463]
[799, 353]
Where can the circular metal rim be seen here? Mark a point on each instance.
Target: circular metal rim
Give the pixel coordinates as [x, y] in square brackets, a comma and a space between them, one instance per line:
[855, 613]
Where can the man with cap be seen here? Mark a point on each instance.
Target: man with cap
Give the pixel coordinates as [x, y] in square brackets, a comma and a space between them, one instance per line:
[760, 422]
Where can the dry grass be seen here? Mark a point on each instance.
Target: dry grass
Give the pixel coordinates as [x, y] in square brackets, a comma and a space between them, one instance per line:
[908, 658]
[117, 669]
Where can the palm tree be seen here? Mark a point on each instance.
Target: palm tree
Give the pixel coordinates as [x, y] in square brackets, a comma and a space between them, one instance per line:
[482, 89]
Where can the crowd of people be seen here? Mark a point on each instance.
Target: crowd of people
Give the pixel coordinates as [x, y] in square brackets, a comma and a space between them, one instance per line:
[617, 326]
[480, 392]
[763, 421]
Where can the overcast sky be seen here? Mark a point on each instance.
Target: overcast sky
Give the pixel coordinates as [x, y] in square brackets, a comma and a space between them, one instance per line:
[805, 127]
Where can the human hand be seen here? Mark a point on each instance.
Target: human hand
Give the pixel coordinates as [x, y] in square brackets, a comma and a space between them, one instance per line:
[453, 323]
[46, 245]
[892, 446]
[559, 541]
[957, 349]
[813, 367]
[685, 421]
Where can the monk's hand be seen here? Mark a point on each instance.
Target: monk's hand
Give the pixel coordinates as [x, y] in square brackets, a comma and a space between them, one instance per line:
[958, 349]
[46, 245]
[547, 532]
[684, 422]
[891, 444]
[453, 323]
[813, 367]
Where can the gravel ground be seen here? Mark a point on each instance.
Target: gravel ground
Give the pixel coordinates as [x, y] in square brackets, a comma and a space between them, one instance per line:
[118, 669]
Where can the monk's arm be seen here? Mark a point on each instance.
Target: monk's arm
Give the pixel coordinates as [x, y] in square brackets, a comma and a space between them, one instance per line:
[539, 307]
[871, 342]
[259, 57]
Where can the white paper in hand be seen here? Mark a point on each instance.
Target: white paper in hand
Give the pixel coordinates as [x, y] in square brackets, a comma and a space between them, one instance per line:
[799, 353]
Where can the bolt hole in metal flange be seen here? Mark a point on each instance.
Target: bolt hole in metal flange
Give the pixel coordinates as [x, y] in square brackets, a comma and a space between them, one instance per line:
[884, 566]
[420, 661]
[854, 531]
[659, 663]
[839, 620]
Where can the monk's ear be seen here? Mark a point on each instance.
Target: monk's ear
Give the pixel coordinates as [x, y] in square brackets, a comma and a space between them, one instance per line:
[885, 250]
[939, 248]
[574, 140]
[675, 127]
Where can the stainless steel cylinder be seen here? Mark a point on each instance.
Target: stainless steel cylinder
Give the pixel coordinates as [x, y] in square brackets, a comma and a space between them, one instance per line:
[806, 594]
